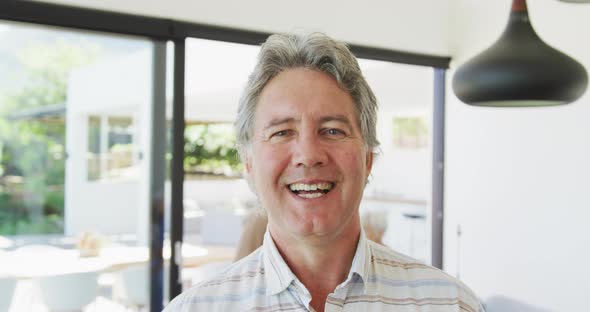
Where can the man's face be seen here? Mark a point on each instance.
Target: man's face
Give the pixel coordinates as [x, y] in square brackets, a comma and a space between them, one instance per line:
[307, 159]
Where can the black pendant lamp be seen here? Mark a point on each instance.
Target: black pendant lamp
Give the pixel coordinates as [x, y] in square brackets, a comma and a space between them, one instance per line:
[520, 70]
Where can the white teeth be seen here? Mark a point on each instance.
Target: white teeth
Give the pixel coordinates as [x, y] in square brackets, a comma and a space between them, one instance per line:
[324, 186]
[311, 195]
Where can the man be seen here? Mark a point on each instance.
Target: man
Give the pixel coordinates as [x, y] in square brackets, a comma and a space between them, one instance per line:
[306, 133]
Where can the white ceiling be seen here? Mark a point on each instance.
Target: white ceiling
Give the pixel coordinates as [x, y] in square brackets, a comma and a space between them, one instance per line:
[415, 26]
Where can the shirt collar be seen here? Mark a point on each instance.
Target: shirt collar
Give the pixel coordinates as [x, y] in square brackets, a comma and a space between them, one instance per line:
[361, 258]
[279, 276]
[277, 273]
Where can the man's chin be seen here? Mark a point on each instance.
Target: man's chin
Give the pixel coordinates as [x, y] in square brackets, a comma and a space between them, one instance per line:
[309, 229]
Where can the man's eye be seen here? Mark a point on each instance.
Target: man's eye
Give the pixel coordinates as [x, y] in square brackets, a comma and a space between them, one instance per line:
[334, 132]
[281, 133]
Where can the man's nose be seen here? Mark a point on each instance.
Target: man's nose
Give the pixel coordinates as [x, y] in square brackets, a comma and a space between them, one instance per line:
[309, 151]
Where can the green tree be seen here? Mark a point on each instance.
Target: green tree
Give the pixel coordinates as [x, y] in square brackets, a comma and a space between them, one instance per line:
[211, 148]
[34, 148]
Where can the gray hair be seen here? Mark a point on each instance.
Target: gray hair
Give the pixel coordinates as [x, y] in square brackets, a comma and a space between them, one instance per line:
[314, 51]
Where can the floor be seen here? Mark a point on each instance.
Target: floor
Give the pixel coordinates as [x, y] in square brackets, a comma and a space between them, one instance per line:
[27, 295]
[27, 298]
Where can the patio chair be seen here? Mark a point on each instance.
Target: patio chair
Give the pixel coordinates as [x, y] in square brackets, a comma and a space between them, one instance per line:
[69, 292]
[7, 286]
[131, 287]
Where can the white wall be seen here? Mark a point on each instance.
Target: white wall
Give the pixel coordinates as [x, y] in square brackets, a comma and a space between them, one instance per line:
[517, 180]
[117, 86]
[416, 26]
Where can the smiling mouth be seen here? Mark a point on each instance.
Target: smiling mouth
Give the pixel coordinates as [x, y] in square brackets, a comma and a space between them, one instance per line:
[311, 190]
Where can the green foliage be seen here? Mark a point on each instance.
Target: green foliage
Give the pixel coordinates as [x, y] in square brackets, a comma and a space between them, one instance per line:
[47, 68]
[211, 148]
[54, 202]
[15, 217]
[34, 149]
[410, 126]
[8, 214]
[48, 225]
[410, 132]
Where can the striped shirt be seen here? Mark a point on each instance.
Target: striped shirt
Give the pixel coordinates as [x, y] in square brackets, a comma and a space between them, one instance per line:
[380, 279]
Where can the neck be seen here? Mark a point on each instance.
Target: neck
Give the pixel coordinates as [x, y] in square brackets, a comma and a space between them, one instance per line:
[320, 264]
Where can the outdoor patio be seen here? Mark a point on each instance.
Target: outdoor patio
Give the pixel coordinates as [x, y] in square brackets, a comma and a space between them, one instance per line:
[115, 279]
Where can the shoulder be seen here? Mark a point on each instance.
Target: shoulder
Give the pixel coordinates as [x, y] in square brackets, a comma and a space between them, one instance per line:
[235, 285]
[395, 269]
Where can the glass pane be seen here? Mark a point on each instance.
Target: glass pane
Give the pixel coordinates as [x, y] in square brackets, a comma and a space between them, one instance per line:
[397, 199]
[216, 196]
[74, 211]
[120, 149]
[93, 154]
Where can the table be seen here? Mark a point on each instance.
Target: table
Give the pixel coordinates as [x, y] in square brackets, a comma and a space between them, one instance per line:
[49, 261]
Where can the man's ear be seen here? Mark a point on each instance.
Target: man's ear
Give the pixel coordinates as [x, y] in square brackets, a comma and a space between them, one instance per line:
[247, 162]
[244, 154]
[369, 163]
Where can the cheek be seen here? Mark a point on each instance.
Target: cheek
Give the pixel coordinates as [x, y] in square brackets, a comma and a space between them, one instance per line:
[268, 163]
[354, 162]
[354, 168]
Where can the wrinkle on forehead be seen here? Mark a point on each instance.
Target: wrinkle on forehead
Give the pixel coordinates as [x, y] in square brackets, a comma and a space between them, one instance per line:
[287, 120]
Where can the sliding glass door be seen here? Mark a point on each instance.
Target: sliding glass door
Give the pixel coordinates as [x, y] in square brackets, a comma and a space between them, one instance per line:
[76, 131]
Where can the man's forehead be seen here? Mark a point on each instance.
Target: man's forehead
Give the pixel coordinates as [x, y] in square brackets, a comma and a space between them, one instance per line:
[301, 94]
[272, 121]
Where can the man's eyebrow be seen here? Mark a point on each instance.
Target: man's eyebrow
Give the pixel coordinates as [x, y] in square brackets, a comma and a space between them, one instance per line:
[278, 121]
[339, 118]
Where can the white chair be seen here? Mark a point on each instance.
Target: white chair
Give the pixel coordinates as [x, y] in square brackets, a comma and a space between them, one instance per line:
[131, 286]
[69, 292]
[7, 286]
[221, 224]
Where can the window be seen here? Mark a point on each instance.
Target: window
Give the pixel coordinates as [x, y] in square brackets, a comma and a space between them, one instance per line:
[112, 153]
[398, 194]
[71, 106]
[210, 150]
[410, 132]
[216, 195]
